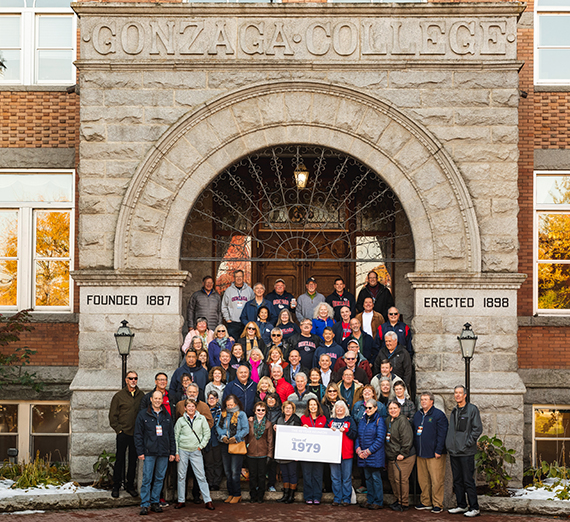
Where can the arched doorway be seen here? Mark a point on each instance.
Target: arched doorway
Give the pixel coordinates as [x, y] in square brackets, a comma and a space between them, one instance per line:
[260, 215]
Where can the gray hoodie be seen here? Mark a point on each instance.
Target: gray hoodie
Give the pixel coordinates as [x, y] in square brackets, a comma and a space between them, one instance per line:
[234, 300]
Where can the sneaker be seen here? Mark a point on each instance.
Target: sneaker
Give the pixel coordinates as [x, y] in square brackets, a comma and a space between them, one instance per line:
[436, 509]
[361, 490]
[163, 503]
[309, 502]
[472, 513]
[458, 510]
[316, 502]
[272, 489]
[421, 506]
[156, 508]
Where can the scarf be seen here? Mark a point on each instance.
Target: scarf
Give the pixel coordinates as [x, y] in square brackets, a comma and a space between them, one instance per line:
[255, 369]
[233, 421]
[258, 427]
[222, 342]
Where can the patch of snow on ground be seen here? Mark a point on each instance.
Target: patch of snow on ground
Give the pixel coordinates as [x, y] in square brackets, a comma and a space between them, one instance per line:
[535, 493]
[25, 512]
[70, 487]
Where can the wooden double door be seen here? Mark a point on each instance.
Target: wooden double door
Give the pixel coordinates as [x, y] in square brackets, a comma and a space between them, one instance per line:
[296, 272]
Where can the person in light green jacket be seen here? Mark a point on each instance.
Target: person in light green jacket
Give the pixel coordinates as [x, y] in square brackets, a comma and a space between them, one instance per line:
[192, 434]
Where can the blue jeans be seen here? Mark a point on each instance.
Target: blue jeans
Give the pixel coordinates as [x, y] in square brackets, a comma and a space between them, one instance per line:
[156, 465]
[197, 463]
[312, 480]
[341, 480]
[375, 492]
[232, 469]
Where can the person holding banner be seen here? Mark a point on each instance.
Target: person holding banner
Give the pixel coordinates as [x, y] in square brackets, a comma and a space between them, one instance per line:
[341, 473]
[288, 467]
[273, 413]
[259, 447]
[232, 429]
[332, 395]
[400, 454]
[370, 451]
[313, 471]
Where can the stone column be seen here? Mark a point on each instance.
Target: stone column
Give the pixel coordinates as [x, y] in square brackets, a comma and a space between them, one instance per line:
[443, 304]
[150, 300]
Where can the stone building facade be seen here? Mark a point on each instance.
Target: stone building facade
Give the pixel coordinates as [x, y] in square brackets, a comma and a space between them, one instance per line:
[424, 96]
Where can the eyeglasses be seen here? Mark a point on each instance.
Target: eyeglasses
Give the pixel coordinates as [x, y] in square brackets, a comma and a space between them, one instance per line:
[350, 358]
[223, 331]
[369, 407]
[250, 328]
[389, 313]
[275, 335]
[162, 380]
[133, 378]
[260, 411]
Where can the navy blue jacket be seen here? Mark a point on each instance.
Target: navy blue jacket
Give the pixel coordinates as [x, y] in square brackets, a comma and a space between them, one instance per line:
[371, 435]
[147, 442]
[244, 392]
[334, 351]
[198, 375]
[369, 349]
[280, 302]
[403, 332]
[434, 430]
[249, 312]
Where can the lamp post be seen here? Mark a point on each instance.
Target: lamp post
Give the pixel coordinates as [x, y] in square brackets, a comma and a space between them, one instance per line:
[124, 340]
[467, 341]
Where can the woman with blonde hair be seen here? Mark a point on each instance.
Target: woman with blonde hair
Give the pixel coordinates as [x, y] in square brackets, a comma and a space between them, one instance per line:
[251, 338]
[264, 388]
[220, 342]
[332, 395]
[322, 317]
[275, 356]
[258, 368]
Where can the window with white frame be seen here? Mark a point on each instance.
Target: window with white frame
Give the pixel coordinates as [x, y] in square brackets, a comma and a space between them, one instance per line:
[552, 42]
[551, 434]
[552, 242]
[37, 42]
[36, 248]
[33, 427]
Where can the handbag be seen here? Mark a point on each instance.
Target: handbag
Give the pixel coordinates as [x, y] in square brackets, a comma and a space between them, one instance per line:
[238, 448]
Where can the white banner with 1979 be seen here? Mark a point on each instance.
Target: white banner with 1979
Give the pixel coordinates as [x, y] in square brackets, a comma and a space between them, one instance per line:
[308, 444]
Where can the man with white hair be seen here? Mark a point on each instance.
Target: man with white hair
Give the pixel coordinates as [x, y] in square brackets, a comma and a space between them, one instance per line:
[398, 357]
[301, 395]
[282, 387]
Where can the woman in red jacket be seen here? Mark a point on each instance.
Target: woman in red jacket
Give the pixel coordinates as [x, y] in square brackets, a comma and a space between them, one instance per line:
[341, 473]
[313, 471]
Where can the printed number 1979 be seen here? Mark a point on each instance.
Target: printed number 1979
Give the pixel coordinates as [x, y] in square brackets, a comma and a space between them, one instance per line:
[302, 446]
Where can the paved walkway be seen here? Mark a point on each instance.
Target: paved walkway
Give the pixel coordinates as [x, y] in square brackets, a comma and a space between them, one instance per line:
[267, 512]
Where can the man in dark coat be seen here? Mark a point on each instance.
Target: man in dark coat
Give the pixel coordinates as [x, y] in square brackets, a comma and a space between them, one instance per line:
[207, 303]
[123, 412]
[193, 367]
[340, 298]
[398, 357]
[155, 447]
[381, 295]
[243, 388]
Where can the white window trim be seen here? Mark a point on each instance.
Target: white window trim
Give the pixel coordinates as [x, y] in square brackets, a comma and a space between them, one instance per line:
[537, 209]
[544, 407]
[24, 433]
[538, 10]
[26, 269]
[29, 40]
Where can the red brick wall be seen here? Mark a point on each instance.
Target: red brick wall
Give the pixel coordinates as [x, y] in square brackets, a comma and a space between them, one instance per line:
[544, 347]
[55, 344]
[38, 119]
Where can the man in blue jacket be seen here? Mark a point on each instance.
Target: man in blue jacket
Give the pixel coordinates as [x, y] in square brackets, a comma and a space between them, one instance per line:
[430, 430]
[155, 447]
[243, 388]
[249, 312]
[193, 367]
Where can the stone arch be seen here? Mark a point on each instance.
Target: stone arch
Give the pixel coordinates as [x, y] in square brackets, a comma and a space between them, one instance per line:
[204, 142]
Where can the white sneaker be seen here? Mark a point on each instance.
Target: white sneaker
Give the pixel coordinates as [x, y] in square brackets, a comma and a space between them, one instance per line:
[472, 513]
[458, 510]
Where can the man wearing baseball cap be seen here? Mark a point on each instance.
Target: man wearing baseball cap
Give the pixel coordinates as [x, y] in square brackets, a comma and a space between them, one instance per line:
[280, 298]
[307, 302]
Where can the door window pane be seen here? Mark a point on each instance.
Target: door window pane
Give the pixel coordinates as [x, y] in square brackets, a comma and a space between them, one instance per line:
[9, 32]
[554, 64]
[55, 31]
[52, 3]
[554, 30]
[52, 283]
[8, 258]
[52, 234]
[55, 66]
[52, 447]
[7, 442]
[8, 418]
[553, 3]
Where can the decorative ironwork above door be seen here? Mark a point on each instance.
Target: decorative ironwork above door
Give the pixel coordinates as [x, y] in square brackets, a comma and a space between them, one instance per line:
[300, 203]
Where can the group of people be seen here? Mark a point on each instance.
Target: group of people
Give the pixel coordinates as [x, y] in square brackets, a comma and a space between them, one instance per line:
[343, 369]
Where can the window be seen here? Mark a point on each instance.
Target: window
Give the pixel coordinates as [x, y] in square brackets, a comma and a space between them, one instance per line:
[36, 227]
[551, 434]
[552, 42]
[32, 427]
[37, 42]
[552, 242]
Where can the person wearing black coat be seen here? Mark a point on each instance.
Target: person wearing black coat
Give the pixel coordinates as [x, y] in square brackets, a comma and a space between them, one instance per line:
[380, 294]
[193, 367]
[398, 357]
[155, 446]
